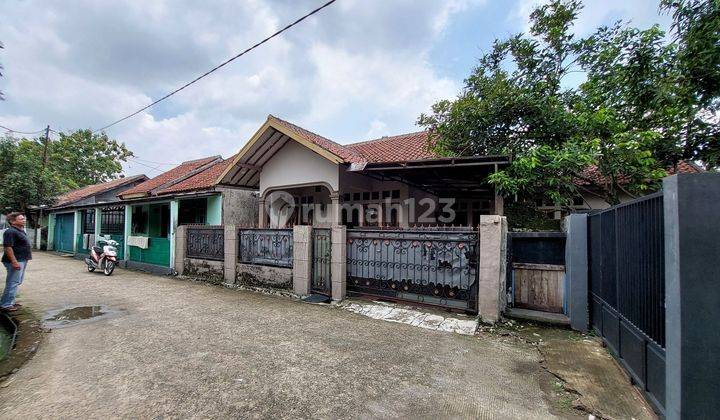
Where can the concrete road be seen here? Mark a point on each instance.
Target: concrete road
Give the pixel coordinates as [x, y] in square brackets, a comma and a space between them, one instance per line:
[177, 348]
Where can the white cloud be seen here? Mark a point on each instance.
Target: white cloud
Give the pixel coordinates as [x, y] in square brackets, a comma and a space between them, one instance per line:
[401, 86]
[377, 129]
[595, 13]
[359, 68]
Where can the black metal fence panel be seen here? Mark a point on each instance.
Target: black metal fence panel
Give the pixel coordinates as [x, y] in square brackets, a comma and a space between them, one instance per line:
[88, 221]
[321, 258]
[112, 220]
[537, 247]
[427, 266]
[206, 242]
[272, 247]
[627, 288]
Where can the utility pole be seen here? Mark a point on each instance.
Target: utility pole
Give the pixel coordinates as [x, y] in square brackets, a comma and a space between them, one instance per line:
[46, 143]
[45, 147]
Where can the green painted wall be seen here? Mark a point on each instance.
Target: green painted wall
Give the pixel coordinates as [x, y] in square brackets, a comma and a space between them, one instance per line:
[159, 247]
[214, 210]
[158, 252]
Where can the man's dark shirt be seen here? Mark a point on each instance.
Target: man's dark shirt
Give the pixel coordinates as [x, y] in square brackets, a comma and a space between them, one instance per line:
[18, 240]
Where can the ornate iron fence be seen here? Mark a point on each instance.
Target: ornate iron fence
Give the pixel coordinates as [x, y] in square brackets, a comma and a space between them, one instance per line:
[428, 266]
[206, 242]
[266, 247]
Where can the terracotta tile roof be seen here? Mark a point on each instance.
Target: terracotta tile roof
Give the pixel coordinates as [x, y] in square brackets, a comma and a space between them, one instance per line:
[401, 148]
[200, 181]
[90, 190]
[686, 167]
[175, 175]
[348, 155]
[592, 175]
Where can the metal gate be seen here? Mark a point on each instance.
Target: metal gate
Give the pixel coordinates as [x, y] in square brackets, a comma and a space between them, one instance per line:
[321, 256]
[536, 271]
[64, 229]
[627, 289]
[432, 267]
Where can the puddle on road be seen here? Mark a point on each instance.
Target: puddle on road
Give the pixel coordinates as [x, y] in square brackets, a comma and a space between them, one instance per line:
[75, 315]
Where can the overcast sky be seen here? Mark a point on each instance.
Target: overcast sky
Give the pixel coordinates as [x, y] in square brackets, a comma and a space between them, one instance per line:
[358, 70]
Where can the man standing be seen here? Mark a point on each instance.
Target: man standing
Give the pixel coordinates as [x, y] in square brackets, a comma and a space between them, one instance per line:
[17, 254]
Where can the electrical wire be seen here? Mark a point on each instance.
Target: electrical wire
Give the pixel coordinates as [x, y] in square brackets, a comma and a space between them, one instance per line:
[148, 166]
[152, 161]
[226, 62]
[10, 130]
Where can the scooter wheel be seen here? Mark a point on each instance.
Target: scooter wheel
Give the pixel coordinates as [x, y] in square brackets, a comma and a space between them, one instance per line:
[109, 267]
[90, 268]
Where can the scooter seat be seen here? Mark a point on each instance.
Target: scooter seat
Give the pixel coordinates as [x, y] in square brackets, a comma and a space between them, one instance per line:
[97, 250]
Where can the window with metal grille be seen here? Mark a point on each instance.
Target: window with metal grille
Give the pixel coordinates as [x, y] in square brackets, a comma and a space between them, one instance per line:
[112, 221]
[88, 221]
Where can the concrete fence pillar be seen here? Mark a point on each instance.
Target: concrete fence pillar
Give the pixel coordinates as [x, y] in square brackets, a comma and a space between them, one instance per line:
[180, 249]
[692, 301]
[302, 259]
[98, 223]
[576, 270]
[51, 232]
[232, 247]
[338, 262]
[493, 246]
[262, 215]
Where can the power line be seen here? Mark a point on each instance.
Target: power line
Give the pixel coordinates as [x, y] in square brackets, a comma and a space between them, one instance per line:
[147, 166]
[228, 61]
[10, 130]
[152, 161]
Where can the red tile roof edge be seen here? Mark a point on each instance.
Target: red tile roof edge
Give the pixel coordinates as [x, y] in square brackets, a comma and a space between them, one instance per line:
[203, 180]
[594, 177]
[87, 191]
[171, 177]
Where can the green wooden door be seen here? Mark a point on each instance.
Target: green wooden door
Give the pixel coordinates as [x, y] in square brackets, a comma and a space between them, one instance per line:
[64, 228]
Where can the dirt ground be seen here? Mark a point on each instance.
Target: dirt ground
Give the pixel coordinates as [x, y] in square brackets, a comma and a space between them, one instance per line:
[167, 347]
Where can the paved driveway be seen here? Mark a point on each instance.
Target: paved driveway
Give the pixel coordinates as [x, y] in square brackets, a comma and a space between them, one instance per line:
[177, 348]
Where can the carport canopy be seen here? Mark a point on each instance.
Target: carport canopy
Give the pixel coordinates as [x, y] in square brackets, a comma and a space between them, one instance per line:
[456, 177]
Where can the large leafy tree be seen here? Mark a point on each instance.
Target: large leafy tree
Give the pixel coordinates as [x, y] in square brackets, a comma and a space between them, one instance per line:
[73, 160]
[637, 110]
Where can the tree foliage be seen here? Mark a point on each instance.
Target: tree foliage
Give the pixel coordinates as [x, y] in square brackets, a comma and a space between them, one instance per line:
[74, 160]
[637, 104]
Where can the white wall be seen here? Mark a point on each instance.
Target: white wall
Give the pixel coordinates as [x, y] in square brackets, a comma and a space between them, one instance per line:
[295, 164]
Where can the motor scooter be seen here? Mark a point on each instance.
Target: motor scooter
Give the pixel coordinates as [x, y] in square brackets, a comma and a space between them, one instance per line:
[104, 258]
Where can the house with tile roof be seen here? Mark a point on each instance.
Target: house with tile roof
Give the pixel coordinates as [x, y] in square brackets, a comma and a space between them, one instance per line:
[86, 211]
[591, 186]
[305, 178]
[185, 194]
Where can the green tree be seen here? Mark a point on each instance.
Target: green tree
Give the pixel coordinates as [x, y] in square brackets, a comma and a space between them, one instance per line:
[624, 117]
[84, 158]
[74, 160]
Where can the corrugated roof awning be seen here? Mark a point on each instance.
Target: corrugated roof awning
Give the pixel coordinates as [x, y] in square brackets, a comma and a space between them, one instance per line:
[456, 177]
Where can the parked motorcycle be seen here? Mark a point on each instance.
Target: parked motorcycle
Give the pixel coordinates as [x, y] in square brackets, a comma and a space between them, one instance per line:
[104, 258]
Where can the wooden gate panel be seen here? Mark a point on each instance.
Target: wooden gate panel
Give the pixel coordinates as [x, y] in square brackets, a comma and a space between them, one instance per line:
[539, 286]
